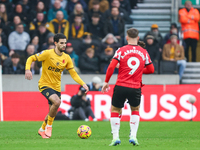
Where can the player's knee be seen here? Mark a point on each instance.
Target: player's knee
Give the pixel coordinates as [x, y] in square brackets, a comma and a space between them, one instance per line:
[57, 102]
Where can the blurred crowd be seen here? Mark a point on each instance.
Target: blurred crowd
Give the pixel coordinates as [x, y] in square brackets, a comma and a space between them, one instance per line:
[94, 29]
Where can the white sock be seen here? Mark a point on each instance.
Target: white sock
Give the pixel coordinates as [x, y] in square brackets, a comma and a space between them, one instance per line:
[49, 125]
[42, 130]
[115, 125]
[134, 123]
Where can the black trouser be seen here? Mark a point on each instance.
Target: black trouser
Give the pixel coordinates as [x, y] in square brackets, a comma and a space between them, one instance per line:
[83, 113]
[193, 43]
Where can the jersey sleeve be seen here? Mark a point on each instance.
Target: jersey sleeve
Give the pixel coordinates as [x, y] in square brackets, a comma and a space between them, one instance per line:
[117, 55]
[147, 59]
[42, 55]
[70, 64]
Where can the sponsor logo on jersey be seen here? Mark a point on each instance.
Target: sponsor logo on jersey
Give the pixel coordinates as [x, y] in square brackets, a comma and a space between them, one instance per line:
[54, 69]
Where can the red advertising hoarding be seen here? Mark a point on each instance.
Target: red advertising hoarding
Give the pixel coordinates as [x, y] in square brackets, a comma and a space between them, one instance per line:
[158, 103]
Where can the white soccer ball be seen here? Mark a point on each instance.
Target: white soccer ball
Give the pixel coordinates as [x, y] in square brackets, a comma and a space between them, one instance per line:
[192, 99]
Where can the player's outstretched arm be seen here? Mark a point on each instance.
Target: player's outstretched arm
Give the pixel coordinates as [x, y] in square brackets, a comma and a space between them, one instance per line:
[76, 78]
[148, 69]
[28, 73]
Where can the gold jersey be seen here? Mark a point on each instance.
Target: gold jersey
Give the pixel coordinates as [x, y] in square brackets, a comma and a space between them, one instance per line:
[52, 68]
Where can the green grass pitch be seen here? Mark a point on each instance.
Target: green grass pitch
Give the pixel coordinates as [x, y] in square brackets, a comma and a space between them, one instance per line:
[151, 136]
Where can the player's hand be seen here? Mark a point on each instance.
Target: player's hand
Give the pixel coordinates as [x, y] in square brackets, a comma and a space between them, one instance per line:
[105, 87]
[86, 88]
[28, 75]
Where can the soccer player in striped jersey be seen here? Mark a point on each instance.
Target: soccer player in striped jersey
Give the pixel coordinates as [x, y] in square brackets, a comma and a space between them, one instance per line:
[54, 61]
[133, 61]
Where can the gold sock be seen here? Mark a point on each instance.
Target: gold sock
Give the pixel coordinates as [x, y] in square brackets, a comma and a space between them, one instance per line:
[43, 125]
[50, 120]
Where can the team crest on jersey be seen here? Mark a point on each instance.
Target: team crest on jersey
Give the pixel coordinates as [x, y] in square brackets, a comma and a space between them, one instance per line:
[63, 61]
[47, 93]
[57, 63]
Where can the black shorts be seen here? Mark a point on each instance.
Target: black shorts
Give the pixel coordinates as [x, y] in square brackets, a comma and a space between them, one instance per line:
[47, 92]
[121, 93]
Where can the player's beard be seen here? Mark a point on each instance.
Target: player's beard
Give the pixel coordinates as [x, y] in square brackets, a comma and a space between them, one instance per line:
[62, 49]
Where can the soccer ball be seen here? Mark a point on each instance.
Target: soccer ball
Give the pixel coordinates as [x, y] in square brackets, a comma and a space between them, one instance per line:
[84, 132]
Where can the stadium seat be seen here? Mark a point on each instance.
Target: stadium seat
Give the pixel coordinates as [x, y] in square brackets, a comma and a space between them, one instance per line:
[168, 67]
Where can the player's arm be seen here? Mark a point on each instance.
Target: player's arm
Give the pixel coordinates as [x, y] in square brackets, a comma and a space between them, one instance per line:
[76, 78]
[74, 75]
[109, 73]
[148, 69]
[28, 73]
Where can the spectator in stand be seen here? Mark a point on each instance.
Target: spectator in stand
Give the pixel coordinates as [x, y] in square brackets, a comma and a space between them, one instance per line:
[173, 30]
[42, 33]
[78, 10]
[189, 19]
[63, 3]
[104, 5]
[88, 62]
[77, 28]
[18, 11]
[27, 9]
[175, 52]
[8, 5]
[3, 49]
[3, 35]
[156, 34]
[96, 28]
[41, 8]
[51, 46]
[34, 4]
[125, 4]
[59, 24]
[71, 4]
[11, 25]
[70, 51]
[3, 14]
[110, 41]
[49, 41]
[105, 58]
[35, 66]
[18, 40]
[96, 84]
[122, 13]
[81, 108]
[13, 66]
[115, 24]
[153, 49]
[40, 19]
[53, 11]
[96, 9]
[35, 42]
[88, 42]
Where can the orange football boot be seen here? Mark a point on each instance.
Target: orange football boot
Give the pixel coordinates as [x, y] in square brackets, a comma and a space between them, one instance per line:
[48, 131]
[42, 134]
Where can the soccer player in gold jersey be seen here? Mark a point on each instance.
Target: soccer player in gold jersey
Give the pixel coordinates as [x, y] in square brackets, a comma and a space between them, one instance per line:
[54, 61]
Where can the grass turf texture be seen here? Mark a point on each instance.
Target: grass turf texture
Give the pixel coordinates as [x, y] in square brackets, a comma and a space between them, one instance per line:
[151, 136]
